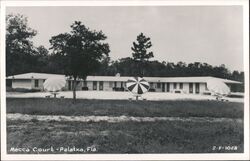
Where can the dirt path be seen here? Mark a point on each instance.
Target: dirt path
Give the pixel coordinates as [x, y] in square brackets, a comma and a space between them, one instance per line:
[121, 95]
[111, 119]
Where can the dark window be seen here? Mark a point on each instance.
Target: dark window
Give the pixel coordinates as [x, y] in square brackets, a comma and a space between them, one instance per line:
[175, 85]
[36, 83]
[163, 87]
[9, 83]
[101, 85]
[168, 87]
[121, 84]
[181, 85]
[158, 85]
[94, 85]
[115, 84]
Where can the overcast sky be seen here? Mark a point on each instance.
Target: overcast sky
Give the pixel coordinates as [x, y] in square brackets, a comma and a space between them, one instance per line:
[211, 34]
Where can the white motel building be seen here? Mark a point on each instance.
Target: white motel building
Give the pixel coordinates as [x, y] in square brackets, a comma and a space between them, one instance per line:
[193, 85]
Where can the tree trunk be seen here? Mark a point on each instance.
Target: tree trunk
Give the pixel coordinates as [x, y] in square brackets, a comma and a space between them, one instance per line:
[74, 90]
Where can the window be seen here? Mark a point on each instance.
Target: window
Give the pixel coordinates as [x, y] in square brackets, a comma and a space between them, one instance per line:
[36, 83]
[175, 85]
[121, 84]
[9, 83]
[168, 87]
[110, 84]
[101, 85]
[181, 85]
[94, 85]
[115, 84]
[158, 85]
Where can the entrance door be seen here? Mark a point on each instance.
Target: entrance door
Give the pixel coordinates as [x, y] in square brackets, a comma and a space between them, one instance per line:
[94, 85]
[69, 85]
[190, 87]
[101, 86]
[197, 88]
[168, 87]
[163, 87]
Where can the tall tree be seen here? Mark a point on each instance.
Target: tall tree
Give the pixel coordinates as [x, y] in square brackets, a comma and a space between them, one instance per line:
[41, 59]
[81, 51]
[140, 53]
[19, 47]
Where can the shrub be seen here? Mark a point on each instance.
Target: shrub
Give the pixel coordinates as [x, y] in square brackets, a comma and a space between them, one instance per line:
[23, 90]
[151, 90]
[118, 89]
[235, 96]
[85, 88]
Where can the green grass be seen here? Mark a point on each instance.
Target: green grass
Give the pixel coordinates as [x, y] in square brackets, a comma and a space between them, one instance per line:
[183, 108]
[127, 137]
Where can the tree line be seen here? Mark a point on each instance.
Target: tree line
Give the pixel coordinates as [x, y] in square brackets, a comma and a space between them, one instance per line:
[82, 52]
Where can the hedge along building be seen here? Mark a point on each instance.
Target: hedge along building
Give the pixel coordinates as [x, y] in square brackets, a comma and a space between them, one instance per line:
[193, 85]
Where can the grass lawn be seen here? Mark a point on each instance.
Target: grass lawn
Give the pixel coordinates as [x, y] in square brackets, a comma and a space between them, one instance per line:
[127, 137]
[185, 108]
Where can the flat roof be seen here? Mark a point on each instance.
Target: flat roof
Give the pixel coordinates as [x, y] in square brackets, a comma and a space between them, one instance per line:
[34, 76]
[200, 79]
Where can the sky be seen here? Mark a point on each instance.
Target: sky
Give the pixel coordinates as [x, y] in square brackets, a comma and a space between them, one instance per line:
[209, 34]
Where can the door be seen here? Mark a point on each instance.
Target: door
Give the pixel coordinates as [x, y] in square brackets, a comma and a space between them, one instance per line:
[190, 87]
[94, 85]
[115, 86]
[69, 85]
[101, 86]
[197, 88]
[168, 87]
[163, 87]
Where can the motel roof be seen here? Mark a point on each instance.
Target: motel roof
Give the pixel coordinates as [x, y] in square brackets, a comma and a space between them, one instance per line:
[34, 76]
[200, 79]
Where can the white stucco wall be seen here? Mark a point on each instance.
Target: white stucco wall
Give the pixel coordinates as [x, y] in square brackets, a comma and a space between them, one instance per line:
[185, 88]
[171, 87]
[90, 85]
[21, 83]
[203, 88]
[108, 86]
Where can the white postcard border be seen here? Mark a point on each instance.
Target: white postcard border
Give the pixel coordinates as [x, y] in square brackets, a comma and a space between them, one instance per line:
[193, 156]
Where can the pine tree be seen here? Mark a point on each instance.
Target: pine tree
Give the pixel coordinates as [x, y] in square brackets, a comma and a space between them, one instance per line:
[140, 54]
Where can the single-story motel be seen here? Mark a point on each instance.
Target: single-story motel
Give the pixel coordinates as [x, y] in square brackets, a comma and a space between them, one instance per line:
[193, 85]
